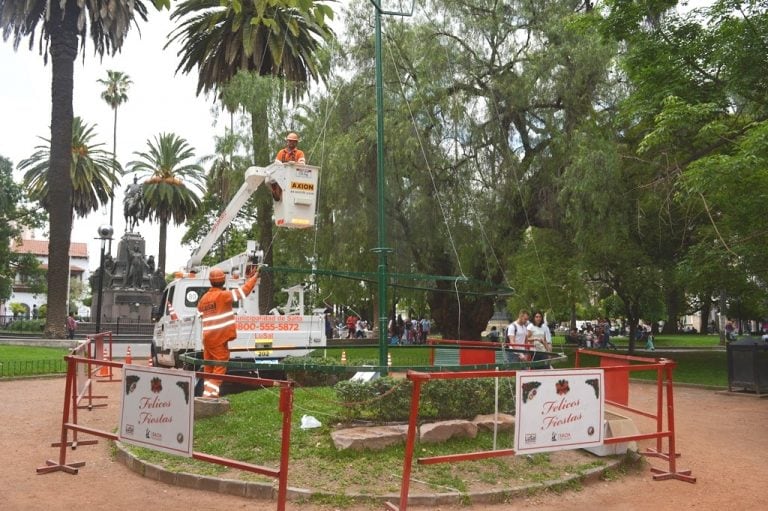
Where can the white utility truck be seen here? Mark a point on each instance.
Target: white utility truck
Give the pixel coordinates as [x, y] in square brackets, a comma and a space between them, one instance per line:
[178, 327]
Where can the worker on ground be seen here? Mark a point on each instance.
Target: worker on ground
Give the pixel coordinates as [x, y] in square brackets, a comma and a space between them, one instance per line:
[290, 153]
[219, 326]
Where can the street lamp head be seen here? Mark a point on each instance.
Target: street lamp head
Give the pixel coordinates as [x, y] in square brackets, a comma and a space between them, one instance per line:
[105, 231]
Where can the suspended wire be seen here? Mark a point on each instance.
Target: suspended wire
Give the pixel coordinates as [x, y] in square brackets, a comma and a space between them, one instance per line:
[525, 213]
[495, 104]
[468, 201]
[432, 179]
[426, 162]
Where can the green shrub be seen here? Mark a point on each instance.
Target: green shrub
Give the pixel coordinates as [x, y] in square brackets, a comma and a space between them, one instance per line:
[387, 399]
[319, 374]
[26, 325]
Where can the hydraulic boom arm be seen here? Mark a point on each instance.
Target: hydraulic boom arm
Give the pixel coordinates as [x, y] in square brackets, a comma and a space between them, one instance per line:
[254, 177]
[294, 192]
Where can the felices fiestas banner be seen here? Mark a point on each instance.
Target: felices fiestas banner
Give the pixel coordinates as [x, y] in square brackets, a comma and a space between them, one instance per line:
[157, 409]
[559, 410]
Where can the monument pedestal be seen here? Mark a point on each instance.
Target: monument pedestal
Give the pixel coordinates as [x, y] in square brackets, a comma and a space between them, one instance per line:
[131, 285]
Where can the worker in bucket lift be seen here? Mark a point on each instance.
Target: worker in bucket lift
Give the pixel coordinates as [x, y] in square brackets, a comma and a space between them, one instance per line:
[219, 326]
[290, 153]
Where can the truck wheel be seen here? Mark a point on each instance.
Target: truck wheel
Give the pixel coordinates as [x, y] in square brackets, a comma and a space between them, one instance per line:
[153, 354]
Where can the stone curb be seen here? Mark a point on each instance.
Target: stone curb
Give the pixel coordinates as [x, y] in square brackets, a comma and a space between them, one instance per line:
[268, 491]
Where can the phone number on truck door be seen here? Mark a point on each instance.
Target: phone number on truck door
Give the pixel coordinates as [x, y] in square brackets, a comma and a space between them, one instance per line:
[263, 326]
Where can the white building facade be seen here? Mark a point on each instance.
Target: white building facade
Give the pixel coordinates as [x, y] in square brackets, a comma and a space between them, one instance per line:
[22, 294]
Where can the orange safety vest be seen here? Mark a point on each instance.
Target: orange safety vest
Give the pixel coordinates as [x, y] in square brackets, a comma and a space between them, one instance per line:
[218, 317]
[283, 155]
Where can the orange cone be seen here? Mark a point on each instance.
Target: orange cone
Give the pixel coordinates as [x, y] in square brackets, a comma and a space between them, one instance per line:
[104, 370]
[149, 362]
[128, 357]
[343, 357]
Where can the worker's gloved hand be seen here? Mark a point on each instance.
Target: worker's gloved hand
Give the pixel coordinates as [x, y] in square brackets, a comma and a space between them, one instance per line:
[254, 271]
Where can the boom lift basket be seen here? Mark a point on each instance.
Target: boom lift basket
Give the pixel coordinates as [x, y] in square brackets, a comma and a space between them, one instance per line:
[294, 190]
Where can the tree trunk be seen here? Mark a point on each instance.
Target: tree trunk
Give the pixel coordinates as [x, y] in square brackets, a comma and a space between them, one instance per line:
[161, 248]
[572, 323]
[673, 299]
[721, 304]
[112, 199]
[63, 51]
[264, 205]
[461, 317]
[633, 318]
[706, 308]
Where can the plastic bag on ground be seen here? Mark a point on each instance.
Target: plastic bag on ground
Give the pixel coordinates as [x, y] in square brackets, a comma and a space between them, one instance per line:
[309, 422]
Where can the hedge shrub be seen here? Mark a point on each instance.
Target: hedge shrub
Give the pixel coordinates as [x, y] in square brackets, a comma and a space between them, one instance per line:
[319, 374]
[389, 400]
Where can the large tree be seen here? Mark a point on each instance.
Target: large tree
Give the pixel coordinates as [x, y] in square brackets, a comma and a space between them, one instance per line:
[64, 27]
[115, 93]
[15, 213]
[694, 125]
[171, 186]
[279, 38]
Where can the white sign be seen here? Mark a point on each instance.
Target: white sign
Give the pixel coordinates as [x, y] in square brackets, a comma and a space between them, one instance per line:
[559, 410]
[157, 409]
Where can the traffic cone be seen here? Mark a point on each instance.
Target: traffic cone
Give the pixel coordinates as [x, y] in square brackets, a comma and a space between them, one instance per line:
[104, 371]
[343, 357]
[389, 359]
[149, 361]
[128, 357]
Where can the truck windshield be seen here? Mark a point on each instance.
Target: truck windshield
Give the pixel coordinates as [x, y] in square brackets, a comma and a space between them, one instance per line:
[192, 295]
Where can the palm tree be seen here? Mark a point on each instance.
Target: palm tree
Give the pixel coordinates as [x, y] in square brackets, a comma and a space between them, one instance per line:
[115, 94]
[93, 172]
[222, 38]
[64, 26]
[167, 196]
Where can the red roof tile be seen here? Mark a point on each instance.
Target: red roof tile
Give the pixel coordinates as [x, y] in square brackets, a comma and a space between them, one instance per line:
[40, 248]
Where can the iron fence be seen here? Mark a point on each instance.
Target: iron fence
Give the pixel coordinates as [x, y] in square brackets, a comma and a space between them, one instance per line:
[13, 368]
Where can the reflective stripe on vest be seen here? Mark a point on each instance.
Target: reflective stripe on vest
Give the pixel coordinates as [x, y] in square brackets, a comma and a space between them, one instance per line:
[218, 321]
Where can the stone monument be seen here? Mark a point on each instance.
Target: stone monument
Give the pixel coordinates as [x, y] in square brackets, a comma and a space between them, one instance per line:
[131, 286]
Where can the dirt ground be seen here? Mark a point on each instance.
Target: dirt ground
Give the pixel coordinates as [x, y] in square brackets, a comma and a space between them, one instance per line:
[722, 439]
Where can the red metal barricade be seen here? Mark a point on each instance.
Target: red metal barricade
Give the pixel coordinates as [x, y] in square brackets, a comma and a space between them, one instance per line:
[663, 368]
[82, 395]
[69, 423]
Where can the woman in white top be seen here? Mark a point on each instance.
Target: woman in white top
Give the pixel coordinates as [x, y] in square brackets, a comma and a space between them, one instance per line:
[539, 335]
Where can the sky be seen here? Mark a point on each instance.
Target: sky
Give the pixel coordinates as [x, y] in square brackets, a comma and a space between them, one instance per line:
[158, 101]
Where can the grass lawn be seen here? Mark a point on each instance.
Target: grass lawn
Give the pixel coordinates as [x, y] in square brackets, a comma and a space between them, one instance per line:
[664, 341]
[697, 367]
[401, 355]
[31, 360]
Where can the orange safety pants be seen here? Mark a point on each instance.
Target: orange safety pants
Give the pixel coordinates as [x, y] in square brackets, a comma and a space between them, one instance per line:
[211, 386]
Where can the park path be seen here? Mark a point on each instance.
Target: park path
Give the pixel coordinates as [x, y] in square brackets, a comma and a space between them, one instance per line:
[722, 438]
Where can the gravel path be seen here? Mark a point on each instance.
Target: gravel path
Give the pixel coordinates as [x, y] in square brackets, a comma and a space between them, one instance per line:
[722, 439]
